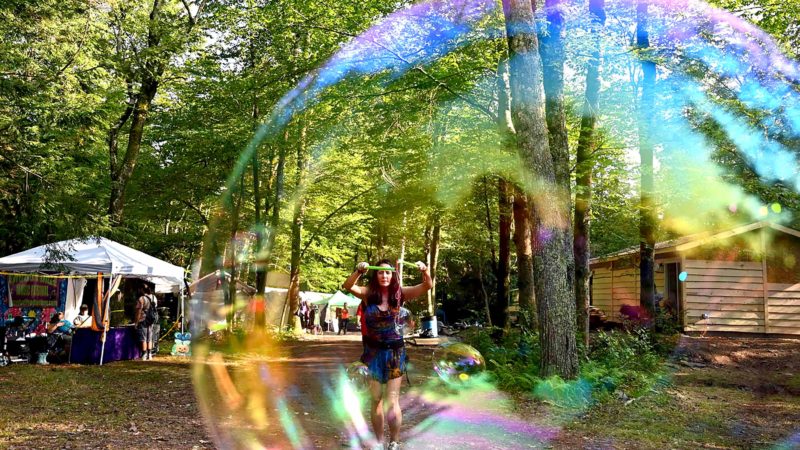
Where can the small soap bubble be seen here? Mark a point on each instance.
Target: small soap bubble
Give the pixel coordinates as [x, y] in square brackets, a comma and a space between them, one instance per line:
[776, 208]
[733, 208]
[763, 211]
[682, 276]
[358, 374]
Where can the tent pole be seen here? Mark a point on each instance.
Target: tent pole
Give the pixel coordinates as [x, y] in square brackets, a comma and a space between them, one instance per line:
[180, 314]
[105, 317]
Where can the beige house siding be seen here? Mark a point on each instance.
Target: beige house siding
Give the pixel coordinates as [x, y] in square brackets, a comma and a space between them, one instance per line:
[730, 293]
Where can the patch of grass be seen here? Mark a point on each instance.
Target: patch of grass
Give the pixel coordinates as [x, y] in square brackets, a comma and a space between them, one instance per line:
[54, 406]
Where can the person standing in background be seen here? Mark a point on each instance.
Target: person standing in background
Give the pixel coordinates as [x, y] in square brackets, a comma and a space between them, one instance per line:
[143, 332]
[344, 319]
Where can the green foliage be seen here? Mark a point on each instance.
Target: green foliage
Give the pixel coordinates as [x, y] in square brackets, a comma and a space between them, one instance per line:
[622, 361]
[619, 362]
[512, 361]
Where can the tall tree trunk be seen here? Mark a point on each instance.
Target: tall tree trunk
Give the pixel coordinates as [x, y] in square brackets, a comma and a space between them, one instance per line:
[297, 224]
[154, 63]
[646, 210]
[504, 197]
[122, 175]
[275, 216]
[150, 77]
[524, 250]
[554, 297]
[552, 52]
[260, 318]
[583, 169]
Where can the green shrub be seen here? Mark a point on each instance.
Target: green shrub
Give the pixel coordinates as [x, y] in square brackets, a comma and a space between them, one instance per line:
[617, 361]
[622, 361]
[512, 361]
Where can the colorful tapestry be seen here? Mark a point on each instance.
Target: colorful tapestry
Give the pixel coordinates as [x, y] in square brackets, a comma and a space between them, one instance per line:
[33, 298]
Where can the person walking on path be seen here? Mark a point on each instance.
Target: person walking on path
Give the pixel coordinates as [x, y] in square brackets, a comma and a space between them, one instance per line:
[344, 319]
[384, 350]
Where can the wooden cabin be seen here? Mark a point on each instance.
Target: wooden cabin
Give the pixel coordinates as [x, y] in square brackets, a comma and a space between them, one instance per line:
[746, 279]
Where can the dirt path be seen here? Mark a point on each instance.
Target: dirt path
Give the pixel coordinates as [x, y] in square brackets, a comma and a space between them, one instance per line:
[434, 417]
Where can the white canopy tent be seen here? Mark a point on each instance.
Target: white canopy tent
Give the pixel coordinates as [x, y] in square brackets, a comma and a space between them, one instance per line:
[94, 256]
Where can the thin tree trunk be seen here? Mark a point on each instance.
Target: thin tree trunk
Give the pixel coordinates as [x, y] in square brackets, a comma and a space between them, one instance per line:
[434, 260]
[297, 225]
[233, 271]
[489, 225]
[554, 296]
[431, 250]
[402, 262]
[584, 173]
[646, 207]
[485, 295]
[275, 217]
[504, 253]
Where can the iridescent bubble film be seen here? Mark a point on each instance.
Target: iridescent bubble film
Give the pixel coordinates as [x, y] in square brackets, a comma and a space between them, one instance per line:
[458, 363]
[263, 383]
[358, 375]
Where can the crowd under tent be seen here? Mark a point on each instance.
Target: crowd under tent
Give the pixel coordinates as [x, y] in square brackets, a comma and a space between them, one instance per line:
[745, 279]
[37, 282]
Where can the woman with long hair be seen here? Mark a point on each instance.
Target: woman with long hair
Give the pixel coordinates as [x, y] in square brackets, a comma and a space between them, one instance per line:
[384, 351]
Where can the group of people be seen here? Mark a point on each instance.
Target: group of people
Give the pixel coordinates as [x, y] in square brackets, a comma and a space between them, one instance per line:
[310, 320]
[383, 317]
[309, 317]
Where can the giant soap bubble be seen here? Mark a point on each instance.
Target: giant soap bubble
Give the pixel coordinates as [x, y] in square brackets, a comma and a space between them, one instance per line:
[458, 363]
[352, 132]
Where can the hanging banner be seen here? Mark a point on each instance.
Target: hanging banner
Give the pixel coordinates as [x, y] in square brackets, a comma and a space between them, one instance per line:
[30, 291]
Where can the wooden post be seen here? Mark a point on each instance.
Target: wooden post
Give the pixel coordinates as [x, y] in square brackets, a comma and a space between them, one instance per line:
[681, 292]
[764, 277]
[611, 300]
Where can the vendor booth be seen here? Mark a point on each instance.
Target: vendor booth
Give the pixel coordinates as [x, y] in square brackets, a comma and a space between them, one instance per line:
[38, 282]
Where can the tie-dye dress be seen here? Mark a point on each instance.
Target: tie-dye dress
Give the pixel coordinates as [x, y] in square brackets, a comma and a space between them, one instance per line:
[384, 351]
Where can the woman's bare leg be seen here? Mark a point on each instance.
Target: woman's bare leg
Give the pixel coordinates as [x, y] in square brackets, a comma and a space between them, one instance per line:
[376, 409]
[395, 414]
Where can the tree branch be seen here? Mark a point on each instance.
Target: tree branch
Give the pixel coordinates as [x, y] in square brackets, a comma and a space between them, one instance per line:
[329, 216]
[416, 67]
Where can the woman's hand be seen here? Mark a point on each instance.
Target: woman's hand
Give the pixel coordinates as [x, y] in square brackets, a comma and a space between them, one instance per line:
[421, 266]
[362, 267]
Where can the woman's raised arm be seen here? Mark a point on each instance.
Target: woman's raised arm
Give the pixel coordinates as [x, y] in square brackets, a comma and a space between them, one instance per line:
[350, 283]
[413, 292]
